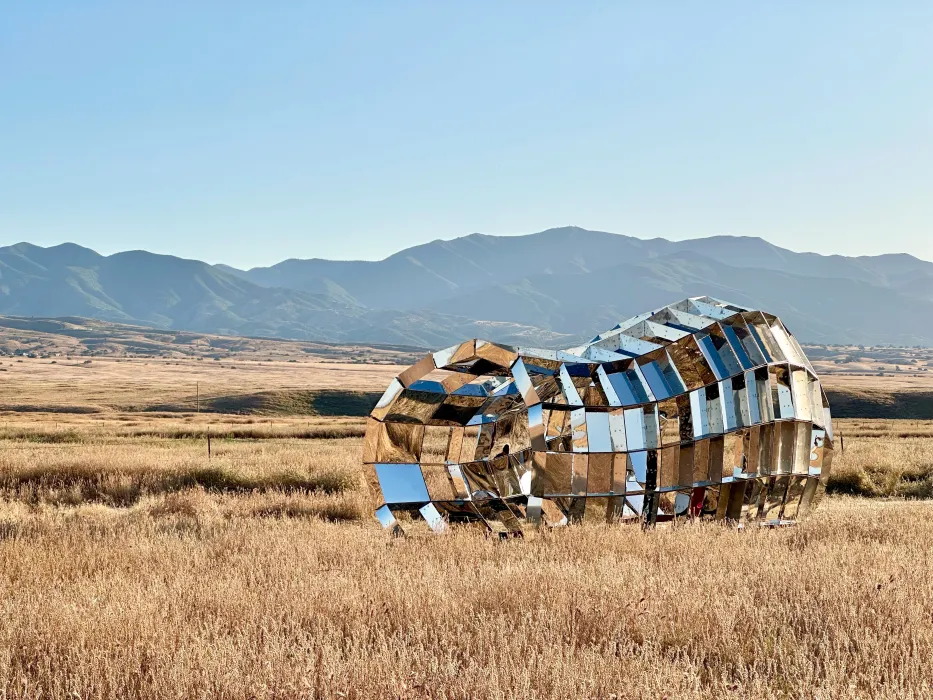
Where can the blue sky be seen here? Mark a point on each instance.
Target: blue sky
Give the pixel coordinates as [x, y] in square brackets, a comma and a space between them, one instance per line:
[248, 132]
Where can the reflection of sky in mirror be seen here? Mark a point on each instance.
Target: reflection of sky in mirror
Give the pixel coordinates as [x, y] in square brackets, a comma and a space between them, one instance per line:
[402, 483]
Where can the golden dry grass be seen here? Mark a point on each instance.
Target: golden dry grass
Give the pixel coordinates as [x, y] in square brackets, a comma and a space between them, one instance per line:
[884, 458]
[74, 467]
[133, 566]
[114, 384]
[81, 428]
[109, 384]
[188, 602]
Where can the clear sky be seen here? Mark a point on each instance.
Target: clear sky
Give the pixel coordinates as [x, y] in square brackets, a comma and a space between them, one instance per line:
[249, 132]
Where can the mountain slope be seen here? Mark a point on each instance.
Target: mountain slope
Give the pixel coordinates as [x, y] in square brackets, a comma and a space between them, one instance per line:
[555, 287]
[837, 311]
[168, 292]
[443, 269]
[159, 290]
[446, 270]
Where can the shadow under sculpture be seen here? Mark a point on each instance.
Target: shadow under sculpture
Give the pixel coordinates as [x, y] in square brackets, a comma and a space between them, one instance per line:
[699, 409]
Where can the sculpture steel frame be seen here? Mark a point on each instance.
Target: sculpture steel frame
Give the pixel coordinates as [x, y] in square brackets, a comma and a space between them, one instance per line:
[702, 408]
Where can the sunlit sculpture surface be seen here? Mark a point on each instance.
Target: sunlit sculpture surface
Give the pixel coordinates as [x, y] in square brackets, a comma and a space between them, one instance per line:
[699, 409]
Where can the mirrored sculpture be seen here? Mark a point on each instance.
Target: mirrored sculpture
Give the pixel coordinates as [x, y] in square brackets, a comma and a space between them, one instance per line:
[701, 409]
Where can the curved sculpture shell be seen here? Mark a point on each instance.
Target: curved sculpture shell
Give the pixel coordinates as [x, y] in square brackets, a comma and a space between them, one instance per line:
[698, 409]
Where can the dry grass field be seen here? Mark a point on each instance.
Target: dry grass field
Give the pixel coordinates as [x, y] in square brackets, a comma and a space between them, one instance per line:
[79, 385]
[79, 366]
[132, 565]
[285, 385]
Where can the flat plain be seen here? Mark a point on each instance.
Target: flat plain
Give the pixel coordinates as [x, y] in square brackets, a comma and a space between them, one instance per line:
[133, 564]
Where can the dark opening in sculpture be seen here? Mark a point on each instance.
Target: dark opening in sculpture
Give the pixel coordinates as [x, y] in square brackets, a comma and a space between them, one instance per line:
[699, 409]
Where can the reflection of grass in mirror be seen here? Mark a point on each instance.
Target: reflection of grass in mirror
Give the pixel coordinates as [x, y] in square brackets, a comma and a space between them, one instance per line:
[434, 449]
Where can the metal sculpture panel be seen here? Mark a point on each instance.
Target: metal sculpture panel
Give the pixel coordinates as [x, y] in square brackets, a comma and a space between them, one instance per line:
[699, 409]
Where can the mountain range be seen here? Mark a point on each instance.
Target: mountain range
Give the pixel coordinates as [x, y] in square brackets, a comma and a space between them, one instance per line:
[552, 288]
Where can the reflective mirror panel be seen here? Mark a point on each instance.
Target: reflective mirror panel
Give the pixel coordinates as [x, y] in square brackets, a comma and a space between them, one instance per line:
[685, 465]
[782, 395]
[717, 352]
[806, 500]
[716, 454]
[817, 451]
[774, 503]
[733, 459]
[737, 330]
[714, 410]
[753, 401]
[415, 405]
[578, 479]
[580, 437]
[788, 349]
[652, 426]
[385, 516]
[555, 475]
[434, 519]
[786, 433]
[620, 473]
[740, 402]
[690, 363]
[763, 390]
[597, 432]
[371, 440]
[701, 462]
[751, 506]
[661, 374]
[759, 328]
[795, 489]
[501, 355]
[399, 442]
[766, 459]
[417, 371]
[437, 480]
[802, 448]
[730, 411]
[753, 450]
[599, 474]
[635, 429]
[800, 390]
[434, 444]
[402, 483]
[698, 417]
[638, 469]
[670, 467]
[669, 417]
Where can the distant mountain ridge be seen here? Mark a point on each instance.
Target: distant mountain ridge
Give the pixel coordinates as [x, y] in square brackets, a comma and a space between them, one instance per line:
[169, 292]
[551, 288]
